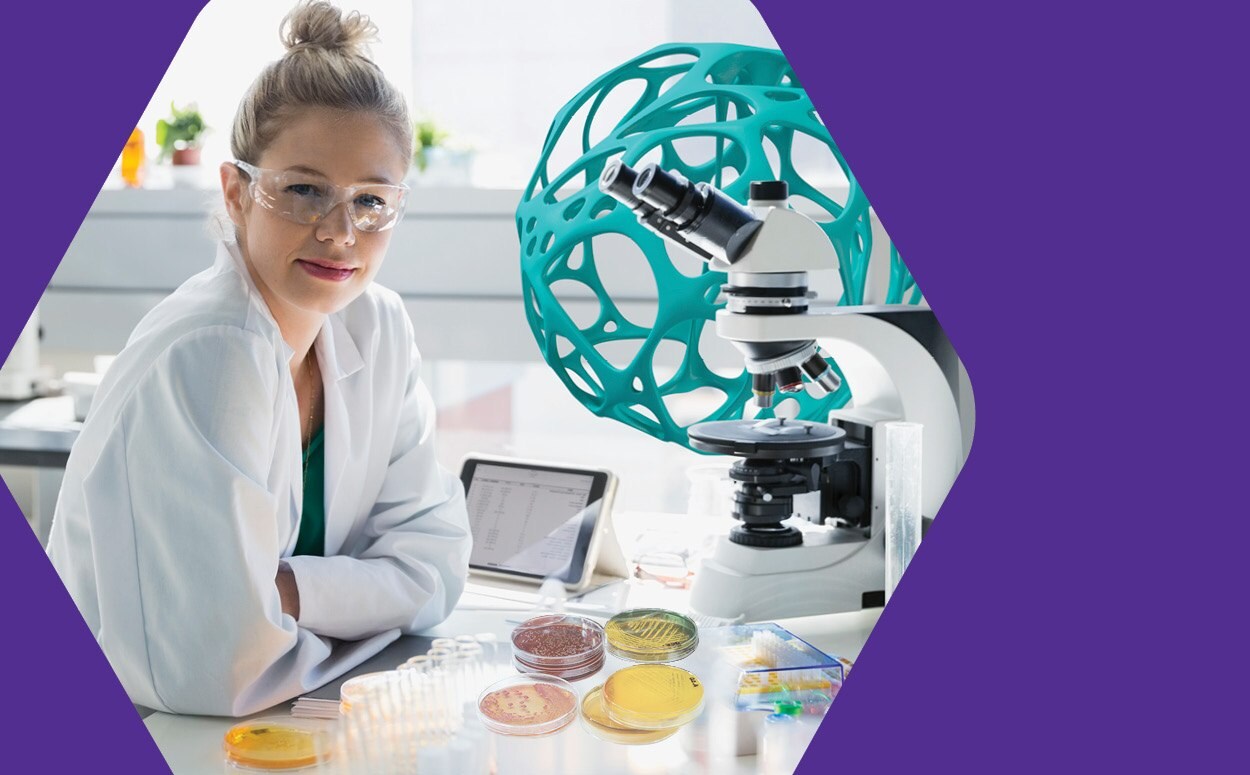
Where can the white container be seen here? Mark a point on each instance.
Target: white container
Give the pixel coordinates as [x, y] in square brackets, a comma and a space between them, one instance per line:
[81, 385]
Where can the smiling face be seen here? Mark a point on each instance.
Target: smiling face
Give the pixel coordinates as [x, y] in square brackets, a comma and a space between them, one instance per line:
[308, 270]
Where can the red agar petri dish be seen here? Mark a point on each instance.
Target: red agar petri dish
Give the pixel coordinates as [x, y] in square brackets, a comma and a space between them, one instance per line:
[569, 647]
[528, 705]
[567, 672]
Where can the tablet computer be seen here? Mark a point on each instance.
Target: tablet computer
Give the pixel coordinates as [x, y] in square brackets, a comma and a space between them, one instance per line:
[532, 521]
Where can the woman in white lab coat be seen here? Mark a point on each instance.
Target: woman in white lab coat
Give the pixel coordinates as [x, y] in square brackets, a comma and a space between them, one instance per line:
[256, 483]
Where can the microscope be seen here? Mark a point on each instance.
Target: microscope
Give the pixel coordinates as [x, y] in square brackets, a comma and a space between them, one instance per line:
[809, 496]
[21, 375]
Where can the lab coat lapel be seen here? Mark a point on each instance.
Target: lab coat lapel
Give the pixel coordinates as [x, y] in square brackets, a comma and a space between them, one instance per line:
[340, 359]
[230, 258]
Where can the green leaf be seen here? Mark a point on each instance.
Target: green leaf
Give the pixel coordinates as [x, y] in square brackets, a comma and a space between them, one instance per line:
[182, 129]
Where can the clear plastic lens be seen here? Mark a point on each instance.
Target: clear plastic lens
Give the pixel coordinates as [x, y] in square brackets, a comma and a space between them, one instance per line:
[306, 199]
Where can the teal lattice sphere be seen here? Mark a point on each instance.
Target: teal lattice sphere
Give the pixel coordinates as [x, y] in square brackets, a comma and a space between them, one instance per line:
[718, 113]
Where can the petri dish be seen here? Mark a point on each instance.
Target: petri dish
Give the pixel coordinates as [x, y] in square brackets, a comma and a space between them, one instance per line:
[527, 705]
[356, 689]
[652, 696]
[568, 672]
[651, 635]
[597, 721]
[557, 644]
[276, 743]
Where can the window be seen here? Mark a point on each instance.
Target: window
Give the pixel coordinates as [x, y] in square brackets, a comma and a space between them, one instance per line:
[492, 72]
[228, 45]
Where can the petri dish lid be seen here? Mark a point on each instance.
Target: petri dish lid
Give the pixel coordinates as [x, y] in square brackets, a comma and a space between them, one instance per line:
[652, 696]
[276, 743]
[528, 704]
[651, 635]
[597, 721]
[557, 640]
[354, 690]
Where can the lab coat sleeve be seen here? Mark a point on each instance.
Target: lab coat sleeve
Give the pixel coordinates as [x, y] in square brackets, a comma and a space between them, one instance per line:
[184, 536]
[407, 567]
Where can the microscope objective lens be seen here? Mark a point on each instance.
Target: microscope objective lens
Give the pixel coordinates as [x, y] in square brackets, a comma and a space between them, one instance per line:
[790, 380]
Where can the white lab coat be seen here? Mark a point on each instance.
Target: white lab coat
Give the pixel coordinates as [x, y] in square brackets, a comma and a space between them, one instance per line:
[184, 492]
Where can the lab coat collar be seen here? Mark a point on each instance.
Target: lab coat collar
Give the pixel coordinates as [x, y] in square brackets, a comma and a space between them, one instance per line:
[336, 348]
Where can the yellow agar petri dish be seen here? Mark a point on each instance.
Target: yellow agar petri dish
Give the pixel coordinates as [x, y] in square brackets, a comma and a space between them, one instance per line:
[652, 696]
[651, 635]
[600, 724]
[277, 743]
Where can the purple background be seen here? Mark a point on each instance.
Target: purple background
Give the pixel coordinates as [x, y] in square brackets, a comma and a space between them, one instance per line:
[1062, 179]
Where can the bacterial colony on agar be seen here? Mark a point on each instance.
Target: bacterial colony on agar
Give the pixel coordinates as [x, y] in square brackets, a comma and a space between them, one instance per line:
[277, 743]
[651, 635]
[652, 696]
[569, 647]
[528, 705]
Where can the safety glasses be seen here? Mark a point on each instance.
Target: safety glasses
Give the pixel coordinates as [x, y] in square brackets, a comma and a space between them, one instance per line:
[305, 198]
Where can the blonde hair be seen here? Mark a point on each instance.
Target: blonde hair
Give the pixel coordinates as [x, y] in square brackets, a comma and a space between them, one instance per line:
[326, 65]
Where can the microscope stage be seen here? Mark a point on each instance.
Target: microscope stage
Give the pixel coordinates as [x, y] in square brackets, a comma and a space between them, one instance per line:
[774, 439]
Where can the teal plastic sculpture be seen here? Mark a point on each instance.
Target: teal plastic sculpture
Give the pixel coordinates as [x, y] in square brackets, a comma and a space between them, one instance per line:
[725, 102]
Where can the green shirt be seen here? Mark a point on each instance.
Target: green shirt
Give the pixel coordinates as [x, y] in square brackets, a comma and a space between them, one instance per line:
[312, 524]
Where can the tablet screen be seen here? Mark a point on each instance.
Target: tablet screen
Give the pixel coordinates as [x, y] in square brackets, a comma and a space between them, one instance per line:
[531, 520]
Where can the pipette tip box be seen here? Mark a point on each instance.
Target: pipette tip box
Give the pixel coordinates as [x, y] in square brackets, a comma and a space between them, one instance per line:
[776, 665]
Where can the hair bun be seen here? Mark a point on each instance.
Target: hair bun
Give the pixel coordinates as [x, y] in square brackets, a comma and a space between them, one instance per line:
[321, 25]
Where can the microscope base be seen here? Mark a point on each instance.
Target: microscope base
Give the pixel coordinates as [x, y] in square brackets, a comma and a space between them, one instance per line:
[762, 584]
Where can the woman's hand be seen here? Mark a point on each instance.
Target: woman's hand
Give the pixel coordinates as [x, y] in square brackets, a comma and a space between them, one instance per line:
[288, 592]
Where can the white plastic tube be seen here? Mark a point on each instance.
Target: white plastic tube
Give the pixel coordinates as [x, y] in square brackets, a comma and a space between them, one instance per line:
[902, 498]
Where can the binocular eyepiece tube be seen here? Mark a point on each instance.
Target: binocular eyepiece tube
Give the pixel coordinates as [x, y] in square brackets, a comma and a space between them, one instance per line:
[617, 181]
[704, 220]
[697, 212]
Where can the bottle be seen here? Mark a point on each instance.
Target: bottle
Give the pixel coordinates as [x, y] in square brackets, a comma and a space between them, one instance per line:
[132, 160]
[779, 752]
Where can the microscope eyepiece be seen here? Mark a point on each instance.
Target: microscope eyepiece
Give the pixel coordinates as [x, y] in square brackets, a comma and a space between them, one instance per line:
[617, 181]
[697, 216]
[663, 191]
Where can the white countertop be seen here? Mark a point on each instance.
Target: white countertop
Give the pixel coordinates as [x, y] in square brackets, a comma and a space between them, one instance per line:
[192, 744]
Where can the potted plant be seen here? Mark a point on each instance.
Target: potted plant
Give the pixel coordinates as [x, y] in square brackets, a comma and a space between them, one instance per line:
[436, 162]
[427, 136]
[179, 137]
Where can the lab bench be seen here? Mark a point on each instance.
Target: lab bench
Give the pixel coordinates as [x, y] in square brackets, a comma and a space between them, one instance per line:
[192, 745]
[35, 440]
[38, 433]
